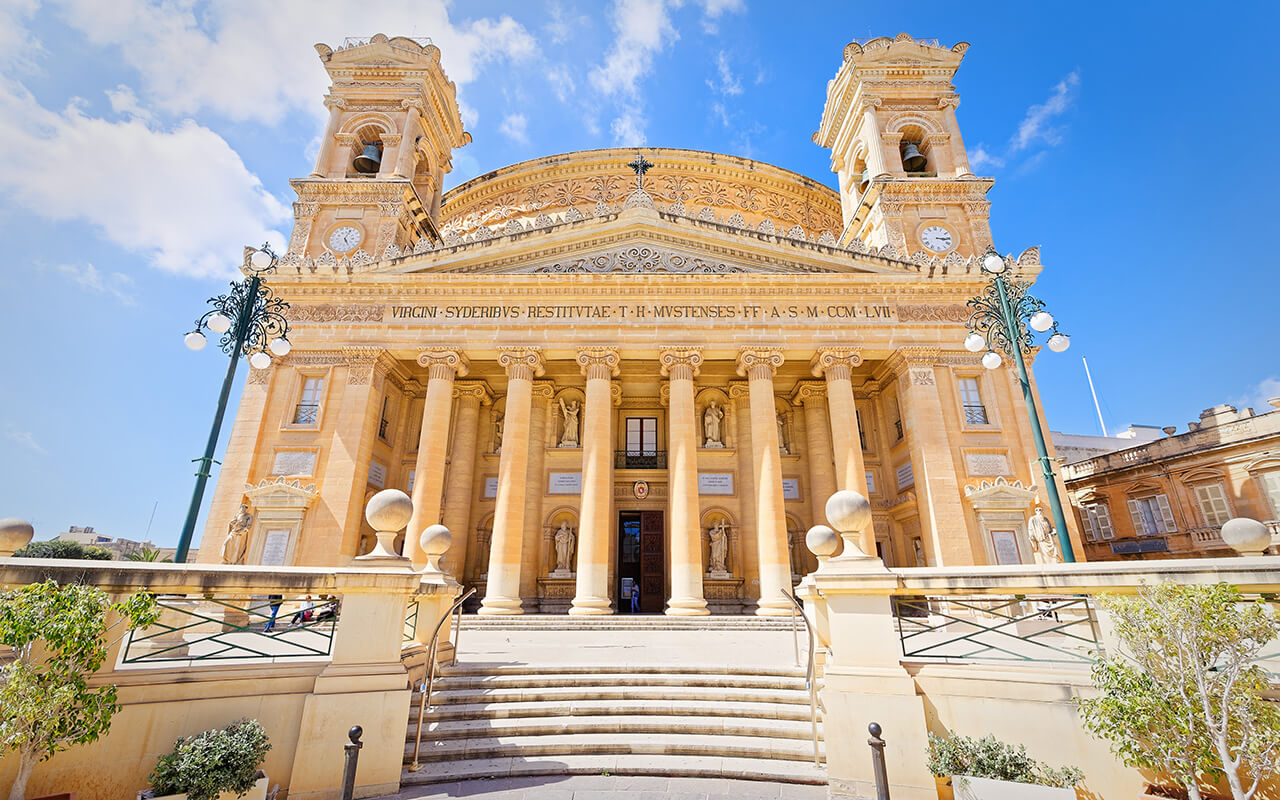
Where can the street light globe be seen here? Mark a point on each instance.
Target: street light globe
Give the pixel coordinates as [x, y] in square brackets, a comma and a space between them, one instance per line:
[260, 360]
[1041, 321]
[280, 346]
[975, 342]
[991, 360]
[195, 340]
[218, 322]
[260, 259]
[1059, 342]
[993, 263]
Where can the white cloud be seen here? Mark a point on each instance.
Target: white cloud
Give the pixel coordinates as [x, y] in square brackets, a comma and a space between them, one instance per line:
[981, 158]
[125, 102]
[1257, 397]
[728, 84]
[561, 25]
[19, 48]
[90, 278]
[628, 129]
[643, 28]
[1037, 125]
[561, 82]
[24, 439]
[515, 127]
[712, 10]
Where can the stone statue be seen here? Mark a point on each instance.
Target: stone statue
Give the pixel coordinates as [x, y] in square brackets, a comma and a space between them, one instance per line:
[237, 541]
[564, 548]
[1043, 536]
[711, 425]
[719, 534]
[782, 434]
[570, 436]
[497, 434]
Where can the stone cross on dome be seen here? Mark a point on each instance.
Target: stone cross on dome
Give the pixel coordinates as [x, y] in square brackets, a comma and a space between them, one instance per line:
[640, 166]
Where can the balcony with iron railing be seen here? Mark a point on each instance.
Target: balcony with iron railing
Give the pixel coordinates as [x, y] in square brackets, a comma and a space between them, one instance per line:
[639, 459]
[975, 414]
[306, 413]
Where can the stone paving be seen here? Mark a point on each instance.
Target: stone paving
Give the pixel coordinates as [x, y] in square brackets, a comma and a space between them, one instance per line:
[612, 787]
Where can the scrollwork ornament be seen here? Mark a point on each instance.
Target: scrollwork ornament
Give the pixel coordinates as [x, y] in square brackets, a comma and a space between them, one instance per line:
[254, 305]
[592, 359]
[522, 361]
[449, 360]
[680, 356]
[987, 317]
[759, 361]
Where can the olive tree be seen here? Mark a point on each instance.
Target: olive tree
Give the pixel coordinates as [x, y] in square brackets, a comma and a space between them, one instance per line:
[1185, 694]
[59, 637]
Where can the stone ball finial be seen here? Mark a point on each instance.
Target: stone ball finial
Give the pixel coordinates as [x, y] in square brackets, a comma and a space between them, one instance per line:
[389, 510]
[848, 511]
[14, 535]
[1248, 537]
[1274, 402]
[435, 540]
[822, 541]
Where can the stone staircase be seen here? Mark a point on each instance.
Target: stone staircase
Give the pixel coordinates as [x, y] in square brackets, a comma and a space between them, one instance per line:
[496, 720]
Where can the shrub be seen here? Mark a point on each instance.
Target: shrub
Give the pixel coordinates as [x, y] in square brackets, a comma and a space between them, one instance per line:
[989, 757]
[56, 548]
[216, 761]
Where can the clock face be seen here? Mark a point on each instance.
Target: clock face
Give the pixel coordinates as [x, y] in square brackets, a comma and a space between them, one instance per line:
[936, 238]
[344, 239]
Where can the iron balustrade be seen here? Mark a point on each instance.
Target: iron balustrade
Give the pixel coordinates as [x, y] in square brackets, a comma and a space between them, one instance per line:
[975, 414]
[215, 629]
[640, 459]
[1020, 628]
[897, 428]
[306, 413]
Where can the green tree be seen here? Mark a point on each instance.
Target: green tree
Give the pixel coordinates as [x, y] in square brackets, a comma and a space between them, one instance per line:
[147, 554]
[59, 635]
[57, 548]
[1184, 695]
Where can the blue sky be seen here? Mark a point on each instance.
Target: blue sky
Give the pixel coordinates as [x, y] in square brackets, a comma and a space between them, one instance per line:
[147, 142]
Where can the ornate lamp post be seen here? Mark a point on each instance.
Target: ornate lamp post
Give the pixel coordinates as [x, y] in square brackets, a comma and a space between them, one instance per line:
[1000, 320]
[250, 320]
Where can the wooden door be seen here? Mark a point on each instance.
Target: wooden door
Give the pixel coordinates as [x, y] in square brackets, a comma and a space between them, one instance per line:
[652, 567]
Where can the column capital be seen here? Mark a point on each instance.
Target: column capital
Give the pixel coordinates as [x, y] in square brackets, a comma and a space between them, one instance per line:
[906, 357]
[949, 100]
[591, 358]
[334, 102]
[522, 362]
[808, 393]
[544, 390]
[444, 363]
[759, 362]
[871, 101]
[675, 357]
[835, 362]
[664, 394]
[360, 363]
[738, 390]
[474, 389]
[615, 394]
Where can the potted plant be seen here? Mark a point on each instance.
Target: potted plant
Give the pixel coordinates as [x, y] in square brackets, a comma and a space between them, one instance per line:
[989, 769]
[219, 764]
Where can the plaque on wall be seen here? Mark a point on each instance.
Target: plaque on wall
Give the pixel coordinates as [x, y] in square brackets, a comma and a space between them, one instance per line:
[274, 548]
[790, 489]
[1006, 547]
[412, 473]
[490, 488]
[564, 483]
[871, 483]
[294, 462]
[986, 464]
[377, 474]
[906, 476]
[715, 483]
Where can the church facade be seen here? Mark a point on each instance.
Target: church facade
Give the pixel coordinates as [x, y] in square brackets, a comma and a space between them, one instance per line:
[613, 373]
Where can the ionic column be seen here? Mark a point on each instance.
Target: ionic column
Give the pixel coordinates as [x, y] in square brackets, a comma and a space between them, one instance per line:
[836, 365]
[958, 156]
[336, 105]
[456, 515]
[408, 141]
[759, 364]
[822, 480]
[680, 366]
[599, 364]
[428, 472]
[502, 593]
[876, 163]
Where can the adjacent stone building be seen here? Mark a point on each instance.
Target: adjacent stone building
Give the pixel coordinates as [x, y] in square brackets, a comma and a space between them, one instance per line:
[606, 369]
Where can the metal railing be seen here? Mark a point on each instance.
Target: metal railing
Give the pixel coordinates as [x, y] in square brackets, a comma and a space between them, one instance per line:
[639, 459]
[424, 696]
[1017, 628]
[810, 679]
[305, 413]
[975, 414]
[211, 629]
[410, 621]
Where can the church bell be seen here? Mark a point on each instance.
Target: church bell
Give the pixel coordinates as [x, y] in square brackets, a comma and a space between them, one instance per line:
[912, 161]
[369, 161]
[865, 180]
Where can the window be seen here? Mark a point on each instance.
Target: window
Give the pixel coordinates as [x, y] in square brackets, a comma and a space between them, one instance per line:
[384, 422]
[1152, 515]
[309, 402]
[862, 436]
[642, 445]
[975, 413]
[1213, 504]
[897, 423]
[1271, 488]
[1097, 522]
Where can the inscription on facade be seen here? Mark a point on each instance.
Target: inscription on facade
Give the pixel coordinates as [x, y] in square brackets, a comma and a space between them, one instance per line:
[790, 489]
[988, 464]
[642, 312]
[490, 487]
[294, 462]
[564, 483]
[906, 476]
[715, 483]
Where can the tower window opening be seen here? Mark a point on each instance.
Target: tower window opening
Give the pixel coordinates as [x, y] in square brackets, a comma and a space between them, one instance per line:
[912, 159]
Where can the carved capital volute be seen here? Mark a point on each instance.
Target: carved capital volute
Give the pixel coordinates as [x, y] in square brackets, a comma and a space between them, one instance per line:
[598, 362]
[759, 362]
[664, 394]
[950, 100]
[335, 102]
[891, 138]
[808, 393]
[444, 363]
[615, 394]
[870, 101]
[522, 362]
[739, 390]
[680, 363]
[477, 390]
[835, 362]
[412, 102]
[544, 390]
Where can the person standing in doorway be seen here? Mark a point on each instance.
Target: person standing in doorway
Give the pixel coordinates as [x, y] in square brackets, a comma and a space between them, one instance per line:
[635, 598]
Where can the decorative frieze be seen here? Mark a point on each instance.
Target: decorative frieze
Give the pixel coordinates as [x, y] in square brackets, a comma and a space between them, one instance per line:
[336, 312]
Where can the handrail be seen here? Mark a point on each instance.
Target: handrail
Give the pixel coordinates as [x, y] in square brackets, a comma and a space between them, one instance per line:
[809, 679]
[424, 697]
[795, 634]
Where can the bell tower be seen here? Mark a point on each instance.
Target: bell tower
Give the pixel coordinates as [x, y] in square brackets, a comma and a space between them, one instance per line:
[393, 125]
[890, 124]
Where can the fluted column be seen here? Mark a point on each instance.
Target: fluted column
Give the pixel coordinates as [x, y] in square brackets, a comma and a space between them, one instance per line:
[822, 480]
[335, 105]
[428, 472]
[456, 514]
[876, 163]
[680, 365]
[759, 364]
[599, 364]
[836, 365]
[502, 592]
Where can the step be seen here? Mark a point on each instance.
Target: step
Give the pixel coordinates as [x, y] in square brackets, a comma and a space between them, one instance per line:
[547, 681]
[717, 745]
[623, 725]
[628, 707]
[627, 622]
[464, 669]
[802, 772]
[448, 697]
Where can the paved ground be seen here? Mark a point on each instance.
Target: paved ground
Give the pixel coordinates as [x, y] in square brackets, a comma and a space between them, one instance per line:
[612, 787]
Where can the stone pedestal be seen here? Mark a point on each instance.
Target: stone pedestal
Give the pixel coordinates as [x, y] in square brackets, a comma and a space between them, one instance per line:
[723, 593]
[555, 592]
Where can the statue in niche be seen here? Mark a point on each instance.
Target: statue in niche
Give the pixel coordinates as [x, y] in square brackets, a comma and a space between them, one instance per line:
[719, 535]
[237, 541]
[564, 548]
[570, 411]
[711, 425]
[782, 433]
[1043, 536]
[497, 434]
